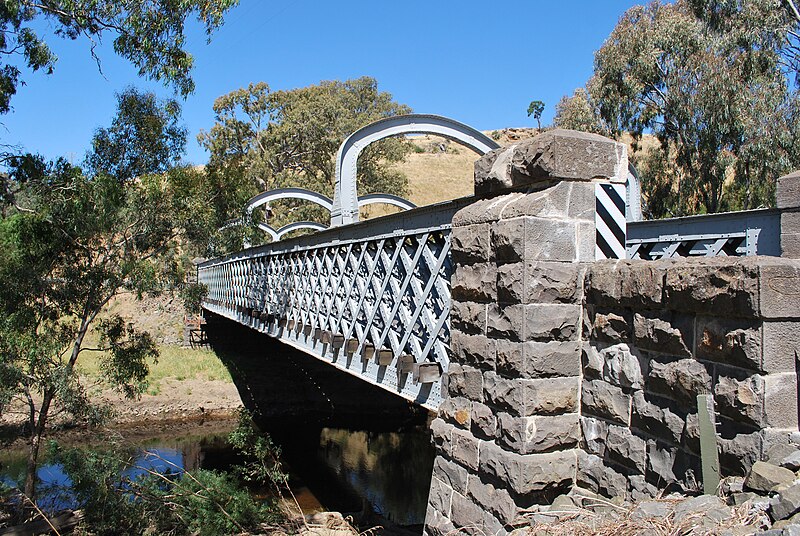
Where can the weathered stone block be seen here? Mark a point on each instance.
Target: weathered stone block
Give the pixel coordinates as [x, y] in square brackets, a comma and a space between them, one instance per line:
[587, 241]
[593, 474]
[544, 200]
[532, 397]
[484, 421]
[611, 327]
[530, 239]
[468, 317]
[466, 381]
[505, 322]
[657, 334]
[470, 244]
[594, 433]
[618, 364]
[680, 380]
[556, 154]
[456, 411]
[661, 463]
[741, 400]
[465, 513]
[605, 400]
[437, 523]
[527, 473]
[787, 191]
[790, 245]
[483, 210]
[451, 474]
[440, 495]
[626, 283]
[655, 419]
[442, 433]
[738, 454]
[465, 449]
[781, 343]
[730, 341]
[511, 283]
[549, 322]
[538, 434]
[475, 282]
[780, 400]
[780, 288]
[495, 500]
[538, 359]
[626, 449]
[763, 477]
[508, 240]
[592, 361]
[711, 285]
[475, 350]
[553, 282]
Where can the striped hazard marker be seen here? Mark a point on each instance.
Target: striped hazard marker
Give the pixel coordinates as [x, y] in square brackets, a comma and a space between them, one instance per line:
[610, 221]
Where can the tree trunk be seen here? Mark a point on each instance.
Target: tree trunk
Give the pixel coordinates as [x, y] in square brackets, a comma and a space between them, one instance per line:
[35, 443]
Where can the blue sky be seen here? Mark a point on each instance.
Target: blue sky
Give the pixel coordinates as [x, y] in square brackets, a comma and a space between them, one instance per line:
[479, 63]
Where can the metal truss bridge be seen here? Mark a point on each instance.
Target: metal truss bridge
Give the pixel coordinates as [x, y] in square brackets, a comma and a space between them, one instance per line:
[373, 298]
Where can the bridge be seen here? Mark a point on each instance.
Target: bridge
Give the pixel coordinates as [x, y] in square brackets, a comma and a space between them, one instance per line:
[563, 344]
[374, 298]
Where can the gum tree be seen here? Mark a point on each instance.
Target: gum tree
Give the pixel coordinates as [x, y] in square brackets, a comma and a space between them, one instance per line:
[74, 239]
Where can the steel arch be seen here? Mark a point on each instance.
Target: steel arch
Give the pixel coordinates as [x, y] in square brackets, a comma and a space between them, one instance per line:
[288, 193]
[288, 228]
[345, 197]
[389, 199]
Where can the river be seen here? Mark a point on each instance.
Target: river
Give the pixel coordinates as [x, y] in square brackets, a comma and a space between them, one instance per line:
[330, 469]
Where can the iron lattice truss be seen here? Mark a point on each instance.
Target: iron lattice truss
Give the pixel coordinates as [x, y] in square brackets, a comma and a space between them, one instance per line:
[377, 307]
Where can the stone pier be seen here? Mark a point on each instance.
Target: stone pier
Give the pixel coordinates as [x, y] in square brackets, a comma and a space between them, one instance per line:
[570, 374]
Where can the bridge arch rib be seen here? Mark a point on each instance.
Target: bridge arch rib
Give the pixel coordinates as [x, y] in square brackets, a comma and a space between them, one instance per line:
[288, 193]
[346, 200]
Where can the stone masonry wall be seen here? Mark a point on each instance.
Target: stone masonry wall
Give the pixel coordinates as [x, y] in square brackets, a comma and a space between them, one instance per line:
[509, 434]
[567, 374]
[660, 333]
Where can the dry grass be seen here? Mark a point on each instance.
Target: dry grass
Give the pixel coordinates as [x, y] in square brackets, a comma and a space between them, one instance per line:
[586, 522]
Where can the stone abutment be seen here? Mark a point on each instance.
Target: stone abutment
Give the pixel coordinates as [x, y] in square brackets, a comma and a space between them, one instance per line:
[573, 374]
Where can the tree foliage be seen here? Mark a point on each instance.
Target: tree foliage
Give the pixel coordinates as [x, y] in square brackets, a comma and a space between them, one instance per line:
[265, 139]
[535, 109]
[148, 34]
[74, 240]
[711, 80]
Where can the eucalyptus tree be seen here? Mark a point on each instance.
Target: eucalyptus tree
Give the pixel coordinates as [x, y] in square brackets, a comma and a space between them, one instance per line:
[713, 81]
[71, 241]
[151, 35]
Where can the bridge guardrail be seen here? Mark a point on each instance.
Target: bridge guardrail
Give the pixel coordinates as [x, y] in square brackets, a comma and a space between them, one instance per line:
[372, 298]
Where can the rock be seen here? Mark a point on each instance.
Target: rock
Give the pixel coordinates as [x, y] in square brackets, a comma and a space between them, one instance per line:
[652, 510]
[659, 335]
[783, 523]
[738, 499]
[792, 461]
[732, 484]
[764, 476]
[563, 503]
[622, 366]
[786, 503]
[683, 379]
[740, 400]
[606, 400]
[611, 327]
[708, 508]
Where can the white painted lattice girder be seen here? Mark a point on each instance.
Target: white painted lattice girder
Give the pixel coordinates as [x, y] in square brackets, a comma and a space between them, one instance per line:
[391, 291]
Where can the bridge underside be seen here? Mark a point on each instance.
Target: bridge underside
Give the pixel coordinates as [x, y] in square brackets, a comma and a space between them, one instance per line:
[285, 387]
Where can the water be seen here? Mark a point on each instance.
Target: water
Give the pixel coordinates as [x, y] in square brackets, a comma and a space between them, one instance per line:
[330, 469]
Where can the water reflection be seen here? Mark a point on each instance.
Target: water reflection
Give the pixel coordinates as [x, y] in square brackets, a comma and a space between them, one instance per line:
[330, 469]
[390, 472]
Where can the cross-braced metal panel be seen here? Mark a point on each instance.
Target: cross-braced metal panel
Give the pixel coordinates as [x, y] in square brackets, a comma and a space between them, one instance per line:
[751, 232]
[377, 307]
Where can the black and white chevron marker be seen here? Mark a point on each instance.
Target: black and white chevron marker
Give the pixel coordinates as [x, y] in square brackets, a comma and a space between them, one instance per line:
[610, 221]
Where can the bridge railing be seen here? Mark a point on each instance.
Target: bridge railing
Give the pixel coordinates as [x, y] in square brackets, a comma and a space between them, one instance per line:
[734, 234]
[373, 297]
